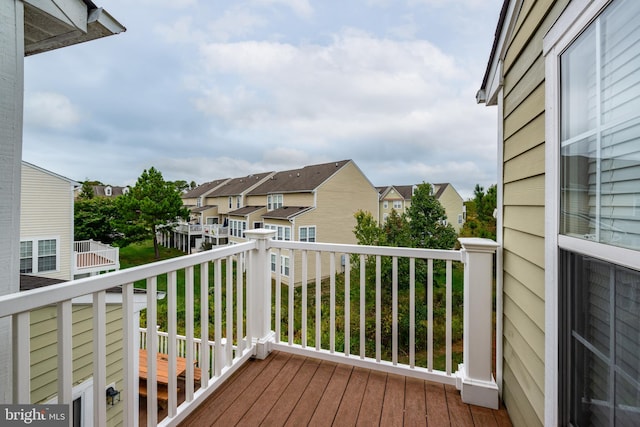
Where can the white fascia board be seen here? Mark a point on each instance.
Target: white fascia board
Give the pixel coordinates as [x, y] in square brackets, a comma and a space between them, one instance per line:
[105, 19]
[71, 12]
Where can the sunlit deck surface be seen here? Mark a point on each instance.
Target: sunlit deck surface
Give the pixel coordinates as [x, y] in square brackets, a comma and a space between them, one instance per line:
[286, 389]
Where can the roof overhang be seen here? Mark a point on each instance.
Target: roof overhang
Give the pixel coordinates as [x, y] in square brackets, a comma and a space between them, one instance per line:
[492, 81]
[52, 24]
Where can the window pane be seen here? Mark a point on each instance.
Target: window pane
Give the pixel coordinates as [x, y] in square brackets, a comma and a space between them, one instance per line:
[47, 263]
[303, 234]
[46, 247]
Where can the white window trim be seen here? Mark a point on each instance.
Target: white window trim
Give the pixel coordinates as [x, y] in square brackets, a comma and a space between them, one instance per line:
[575, 18]
[308, 227]
[34, 253]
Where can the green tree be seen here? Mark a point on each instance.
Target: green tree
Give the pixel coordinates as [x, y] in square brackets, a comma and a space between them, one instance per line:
[426, 221]
[87, 191]
[94, 218]
[480, 221]
[151, 205]
[367, 231]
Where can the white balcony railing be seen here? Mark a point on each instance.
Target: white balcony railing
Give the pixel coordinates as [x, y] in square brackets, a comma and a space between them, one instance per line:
[241, 316]
[215, 230]
[91, 257]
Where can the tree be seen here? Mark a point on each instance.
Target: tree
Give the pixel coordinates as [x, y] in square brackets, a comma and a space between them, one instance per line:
[367, 230]
[87, 191]
[152, 204]
[480, 210]
[426, 221]
[94, 218]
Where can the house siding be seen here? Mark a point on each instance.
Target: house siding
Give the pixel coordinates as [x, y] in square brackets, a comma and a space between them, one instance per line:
[44, 352]
[523, 212]
[452, 204]
[44, 192]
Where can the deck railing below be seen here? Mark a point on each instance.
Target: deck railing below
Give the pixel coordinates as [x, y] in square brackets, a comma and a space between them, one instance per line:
[243, 304]
[91, 256]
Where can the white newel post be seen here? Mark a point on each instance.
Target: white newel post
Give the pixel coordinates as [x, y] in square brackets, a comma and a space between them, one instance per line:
[475, 381]
[259, 293]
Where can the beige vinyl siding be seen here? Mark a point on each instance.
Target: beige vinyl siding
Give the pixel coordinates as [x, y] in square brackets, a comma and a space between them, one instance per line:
[44, 352]
[523, 212]
[452, 204]
[46, 211]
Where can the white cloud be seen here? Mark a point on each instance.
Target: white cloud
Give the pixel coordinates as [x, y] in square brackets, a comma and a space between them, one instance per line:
[50, 110]
[237, 21]
[300, 7]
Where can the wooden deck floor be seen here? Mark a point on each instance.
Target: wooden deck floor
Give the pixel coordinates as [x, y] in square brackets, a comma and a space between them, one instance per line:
[292, 390]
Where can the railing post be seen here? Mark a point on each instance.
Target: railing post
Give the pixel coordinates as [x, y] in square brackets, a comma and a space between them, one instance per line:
[259, 293]
[475, 379]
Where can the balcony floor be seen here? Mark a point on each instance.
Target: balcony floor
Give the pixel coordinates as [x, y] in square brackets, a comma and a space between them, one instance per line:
[286, 389]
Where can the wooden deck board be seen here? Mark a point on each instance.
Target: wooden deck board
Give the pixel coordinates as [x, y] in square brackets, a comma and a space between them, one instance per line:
[295, 390]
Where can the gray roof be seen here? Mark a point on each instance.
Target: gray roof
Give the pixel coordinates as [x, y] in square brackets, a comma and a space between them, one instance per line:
[286, 212]
[237, 186]
[203, 189]
[246, 210]
[305, 179]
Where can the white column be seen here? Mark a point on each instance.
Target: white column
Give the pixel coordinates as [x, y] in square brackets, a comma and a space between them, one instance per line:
[11, 102]
[259, 292]
[475, 381]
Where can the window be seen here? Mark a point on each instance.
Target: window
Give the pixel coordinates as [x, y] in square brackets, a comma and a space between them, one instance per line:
[397, 204]
[199, 202]
[282, 232]
[384, 217]
[230, 202]
[238, 202]
[460, 220]
[107, 191]
[593, 82]
[307, 234]
[600, 130]
[274, 201]
[257, 225]
[38, 256]
[284, 264]
[237, 227]
[385, 204]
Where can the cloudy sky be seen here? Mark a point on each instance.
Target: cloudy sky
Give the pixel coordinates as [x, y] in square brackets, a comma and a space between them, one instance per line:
[207, 89]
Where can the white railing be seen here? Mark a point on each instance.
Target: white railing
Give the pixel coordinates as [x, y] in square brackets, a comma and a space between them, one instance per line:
[242, 317]
[188, 228]
[91, 256]
[215, 230]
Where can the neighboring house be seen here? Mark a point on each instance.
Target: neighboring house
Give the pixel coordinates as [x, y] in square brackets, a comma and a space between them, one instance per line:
[315, 203]
[565, 77]
[49, 255]
[398, 198]
[109, 191]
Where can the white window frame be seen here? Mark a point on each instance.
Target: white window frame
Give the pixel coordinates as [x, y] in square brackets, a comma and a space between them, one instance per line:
[238, 202]
[385, 204]
[283, 232]
[108, 191]
[285, 264]
[307, 229]
[572, 22]
[230, 202]
[35, 254]
[397, 204]
[274, 201]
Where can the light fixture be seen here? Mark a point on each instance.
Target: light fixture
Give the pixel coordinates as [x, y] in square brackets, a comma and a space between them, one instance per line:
[113, 396]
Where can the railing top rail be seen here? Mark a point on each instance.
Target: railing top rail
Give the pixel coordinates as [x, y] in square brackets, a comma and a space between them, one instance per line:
[418, 253]
[29, 300]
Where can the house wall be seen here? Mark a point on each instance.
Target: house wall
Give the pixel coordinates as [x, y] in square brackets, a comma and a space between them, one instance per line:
[47, 212]
[452, 204]
[523, 212]
[44, 352]
[389, 198]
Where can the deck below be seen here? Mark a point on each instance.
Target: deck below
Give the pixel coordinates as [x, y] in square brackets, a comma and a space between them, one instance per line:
[286, 389]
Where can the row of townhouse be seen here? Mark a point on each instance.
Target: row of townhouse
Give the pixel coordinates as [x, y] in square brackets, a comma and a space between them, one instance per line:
[313, 203]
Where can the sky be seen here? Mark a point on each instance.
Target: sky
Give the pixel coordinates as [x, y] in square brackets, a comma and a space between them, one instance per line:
[210, 89]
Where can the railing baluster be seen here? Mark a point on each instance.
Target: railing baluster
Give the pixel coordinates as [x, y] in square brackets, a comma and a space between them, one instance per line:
[394, 311]
[347, 305]
[430, 314]
[172, 322]
[229, 308]
[217, 322]
[303, 303]
[152, 349]
[362, 305]
[318, 302]
[290, 304]
[332, 302]
[203, 351]
[239, 304]
[378, 308]
[129, 358]
[99, 359]
[278, 319]
[448, 317]
[65, 351]
[189, 311]
[412, 312]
